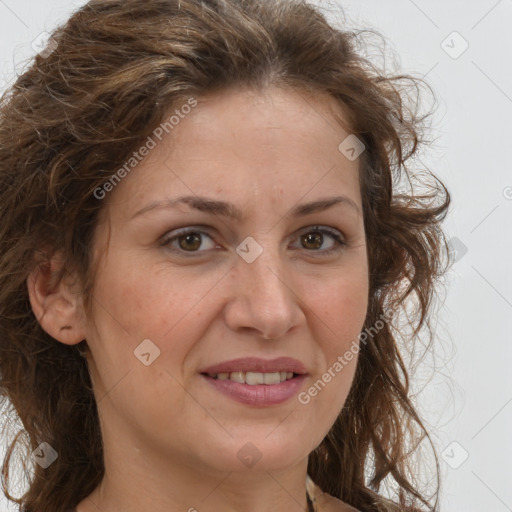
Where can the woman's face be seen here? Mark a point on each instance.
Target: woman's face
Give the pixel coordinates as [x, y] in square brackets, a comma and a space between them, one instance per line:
[259, 275]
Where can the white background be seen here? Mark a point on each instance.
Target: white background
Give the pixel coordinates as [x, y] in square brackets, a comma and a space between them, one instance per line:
[468, 396]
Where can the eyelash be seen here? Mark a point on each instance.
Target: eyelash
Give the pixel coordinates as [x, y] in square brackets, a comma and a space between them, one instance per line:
[336, 235]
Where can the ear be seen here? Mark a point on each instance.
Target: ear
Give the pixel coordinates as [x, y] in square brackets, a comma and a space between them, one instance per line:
[57, 306]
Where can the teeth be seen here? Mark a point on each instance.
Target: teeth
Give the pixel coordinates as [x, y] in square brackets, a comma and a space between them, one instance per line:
[270, 378]
[238, 377]
[254, 378]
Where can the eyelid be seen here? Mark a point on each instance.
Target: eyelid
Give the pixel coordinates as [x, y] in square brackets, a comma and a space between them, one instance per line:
[169, 237]
[335, 234]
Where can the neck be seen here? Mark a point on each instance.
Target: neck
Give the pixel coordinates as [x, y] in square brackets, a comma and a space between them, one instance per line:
[137, 476]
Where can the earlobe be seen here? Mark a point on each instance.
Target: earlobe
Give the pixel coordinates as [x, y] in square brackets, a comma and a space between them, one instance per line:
[57, 306]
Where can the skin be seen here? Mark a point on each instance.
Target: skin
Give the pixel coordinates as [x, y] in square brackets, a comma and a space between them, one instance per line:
[170, 439]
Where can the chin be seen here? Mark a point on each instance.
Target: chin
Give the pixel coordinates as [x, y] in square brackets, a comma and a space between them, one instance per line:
[257, 453]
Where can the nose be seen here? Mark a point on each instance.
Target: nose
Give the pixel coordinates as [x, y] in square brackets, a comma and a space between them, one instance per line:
[264, 298]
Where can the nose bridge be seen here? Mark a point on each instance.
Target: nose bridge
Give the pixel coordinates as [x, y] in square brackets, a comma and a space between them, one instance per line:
[262, 293]
[264, 275]
[262, 269]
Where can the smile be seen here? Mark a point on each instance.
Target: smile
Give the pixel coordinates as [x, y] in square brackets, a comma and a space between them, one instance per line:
[254, 378]
[257, 394]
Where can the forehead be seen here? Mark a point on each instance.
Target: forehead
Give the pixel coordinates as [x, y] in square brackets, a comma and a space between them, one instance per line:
[264, 115]
[273, 143]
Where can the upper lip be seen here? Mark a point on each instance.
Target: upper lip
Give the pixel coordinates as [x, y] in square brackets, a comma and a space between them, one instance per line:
[256, 364]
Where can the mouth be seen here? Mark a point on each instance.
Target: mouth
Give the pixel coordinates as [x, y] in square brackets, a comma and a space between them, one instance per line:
[253, 378]
[257, 382]
[257, 366]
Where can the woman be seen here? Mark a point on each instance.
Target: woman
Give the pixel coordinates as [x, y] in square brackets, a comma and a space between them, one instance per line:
[203, 252]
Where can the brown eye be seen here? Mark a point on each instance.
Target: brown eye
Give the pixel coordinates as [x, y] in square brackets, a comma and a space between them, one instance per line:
[313, 239]
[316, 236]
[191, 241]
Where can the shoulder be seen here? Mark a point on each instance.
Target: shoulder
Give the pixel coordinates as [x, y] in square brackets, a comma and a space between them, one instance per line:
[324, 502]
[328, 503]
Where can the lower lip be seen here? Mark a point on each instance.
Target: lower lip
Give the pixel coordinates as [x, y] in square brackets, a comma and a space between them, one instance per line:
[259, 394]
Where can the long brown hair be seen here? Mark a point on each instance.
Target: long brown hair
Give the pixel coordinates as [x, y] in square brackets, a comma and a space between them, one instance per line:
[112, 74]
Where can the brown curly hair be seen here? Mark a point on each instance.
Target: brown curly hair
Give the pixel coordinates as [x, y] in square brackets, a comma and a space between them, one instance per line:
[78, 112]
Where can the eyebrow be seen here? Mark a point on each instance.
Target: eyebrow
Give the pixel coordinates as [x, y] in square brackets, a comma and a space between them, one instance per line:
[225, 209]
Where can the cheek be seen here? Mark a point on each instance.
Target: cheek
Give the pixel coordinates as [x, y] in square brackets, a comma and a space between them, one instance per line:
[346, 316]
[131, 305]
[139, 301]
[342, 306]
[134, 304]
[341, 311]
